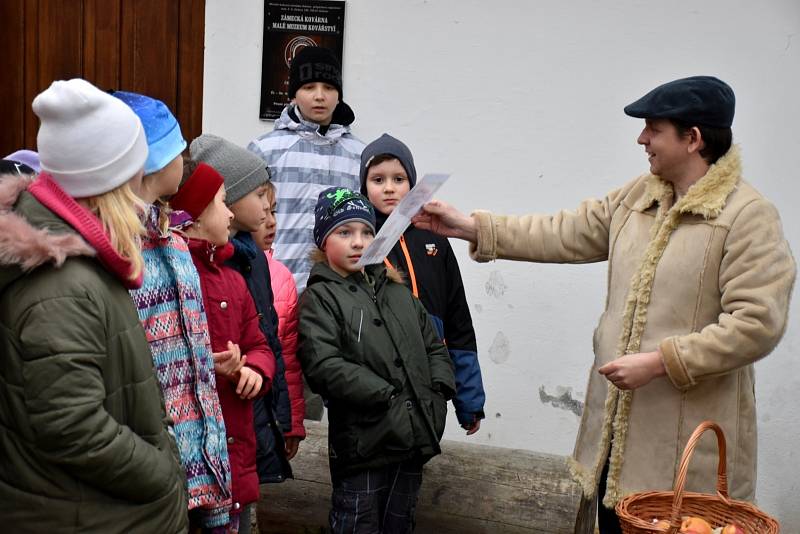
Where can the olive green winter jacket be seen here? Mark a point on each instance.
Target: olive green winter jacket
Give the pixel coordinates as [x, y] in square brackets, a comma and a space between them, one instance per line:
[84, 441]
[371, 351]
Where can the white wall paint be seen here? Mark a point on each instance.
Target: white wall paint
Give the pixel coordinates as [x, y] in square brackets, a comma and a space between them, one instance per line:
[522, 103]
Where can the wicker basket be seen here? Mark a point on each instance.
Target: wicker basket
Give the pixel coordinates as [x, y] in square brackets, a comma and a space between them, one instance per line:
[637, 511]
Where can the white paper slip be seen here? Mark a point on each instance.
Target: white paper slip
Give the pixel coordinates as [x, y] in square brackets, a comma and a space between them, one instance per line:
[400, 218]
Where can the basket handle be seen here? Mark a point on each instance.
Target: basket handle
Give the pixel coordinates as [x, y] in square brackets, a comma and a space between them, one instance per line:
[680, 482]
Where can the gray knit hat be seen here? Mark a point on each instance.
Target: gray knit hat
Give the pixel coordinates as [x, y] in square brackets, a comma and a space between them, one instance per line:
[389, 146]
[243, 171]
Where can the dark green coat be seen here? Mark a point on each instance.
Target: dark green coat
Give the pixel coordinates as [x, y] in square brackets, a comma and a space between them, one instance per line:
[373, 354]
[84, 440]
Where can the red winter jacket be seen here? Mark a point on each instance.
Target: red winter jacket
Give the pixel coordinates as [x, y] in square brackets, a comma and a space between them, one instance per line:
[232, 317]
[285, 302]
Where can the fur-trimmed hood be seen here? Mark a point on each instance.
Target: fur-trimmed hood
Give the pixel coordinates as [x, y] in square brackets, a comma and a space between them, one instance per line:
[30, 234]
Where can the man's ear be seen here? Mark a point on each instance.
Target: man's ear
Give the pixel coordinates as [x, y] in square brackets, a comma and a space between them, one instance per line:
[696, 142]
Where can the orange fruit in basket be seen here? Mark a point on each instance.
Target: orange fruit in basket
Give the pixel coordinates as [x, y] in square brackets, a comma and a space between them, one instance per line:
[732, 528]
[695, 525]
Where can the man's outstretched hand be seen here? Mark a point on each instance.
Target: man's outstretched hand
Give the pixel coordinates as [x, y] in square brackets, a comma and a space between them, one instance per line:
[443, 219]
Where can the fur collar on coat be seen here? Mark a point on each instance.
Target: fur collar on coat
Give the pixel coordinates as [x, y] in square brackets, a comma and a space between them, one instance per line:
[26, 246]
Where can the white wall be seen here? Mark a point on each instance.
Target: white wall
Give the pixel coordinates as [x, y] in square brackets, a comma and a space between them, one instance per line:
[522, 103]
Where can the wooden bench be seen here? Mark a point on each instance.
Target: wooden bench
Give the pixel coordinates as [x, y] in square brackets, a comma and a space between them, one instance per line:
[469, 488]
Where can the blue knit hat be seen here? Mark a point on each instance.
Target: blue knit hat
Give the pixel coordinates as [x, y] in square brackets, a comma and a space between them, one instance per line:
[337, 206]
[164, 139]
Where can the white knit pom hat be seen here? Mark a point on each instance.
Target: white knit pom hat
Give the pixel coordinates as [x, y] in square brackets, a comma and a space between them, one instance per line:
[88, 141]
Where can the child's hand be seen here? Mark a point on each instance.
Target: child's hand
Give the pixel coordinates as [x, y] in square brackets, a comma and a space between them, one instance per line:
[249, 383]
[229, 362]
[473, 427]
[292, 444]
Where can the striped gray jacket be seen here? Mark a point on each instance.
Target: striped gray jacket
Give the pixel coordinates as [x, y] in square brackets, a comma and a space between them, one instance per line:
[303, 162]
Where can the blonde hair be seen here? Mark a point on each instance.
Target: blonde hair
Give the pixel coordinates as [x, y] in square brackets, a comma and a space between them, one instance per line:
[119, 211]
[271, 188]
[163, 216]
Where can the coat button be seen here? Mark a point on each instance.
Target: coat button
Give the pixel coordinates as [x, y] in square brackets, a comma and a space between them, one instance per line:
[223, 305]
[398, 362]
[409, 404]
[236, 506]
[377, 322]
[230, 439]
[353, 288]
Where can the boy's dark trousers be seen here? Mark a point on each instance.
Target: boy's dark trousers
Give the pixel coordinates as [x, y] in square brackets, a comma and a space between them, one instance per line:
[608, 522]
[377, 501]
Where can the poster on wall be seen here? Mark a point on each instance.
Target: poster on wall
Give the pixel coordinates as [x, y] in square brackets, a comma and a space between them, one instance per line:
[290, 26]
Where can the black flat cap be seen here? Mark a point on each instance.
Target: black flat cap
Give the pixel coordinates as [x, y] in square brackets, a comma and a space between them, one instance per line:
[697, 100]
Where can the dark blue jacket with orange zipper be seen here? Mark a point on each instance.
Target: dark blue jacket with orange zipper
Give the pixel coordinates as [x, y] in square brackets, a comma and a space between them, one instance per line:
[432, 273]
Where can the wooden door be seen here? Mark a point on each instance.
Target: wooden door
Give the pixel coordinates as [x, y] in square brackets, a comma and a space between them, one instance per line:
[154, 47]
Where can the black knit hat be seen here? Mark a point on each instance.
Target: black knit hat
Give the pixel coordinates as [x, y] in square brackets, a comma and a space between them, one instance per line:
[315, 64]
[387, 145]
[336, 206]
[698, 100]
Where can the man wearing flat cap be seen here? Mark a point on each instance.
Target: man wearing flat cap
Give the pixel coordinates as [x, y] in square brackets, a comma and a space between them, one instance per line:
[699, 281]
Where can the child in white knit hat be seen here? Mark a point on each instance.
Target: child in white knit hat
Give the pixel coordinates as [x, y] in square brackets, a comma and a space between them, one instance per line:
[85, 443]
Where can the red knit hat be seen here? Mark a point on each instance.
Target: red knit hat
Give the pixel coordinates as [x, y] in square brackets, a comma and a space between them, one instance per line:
[197, 191]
